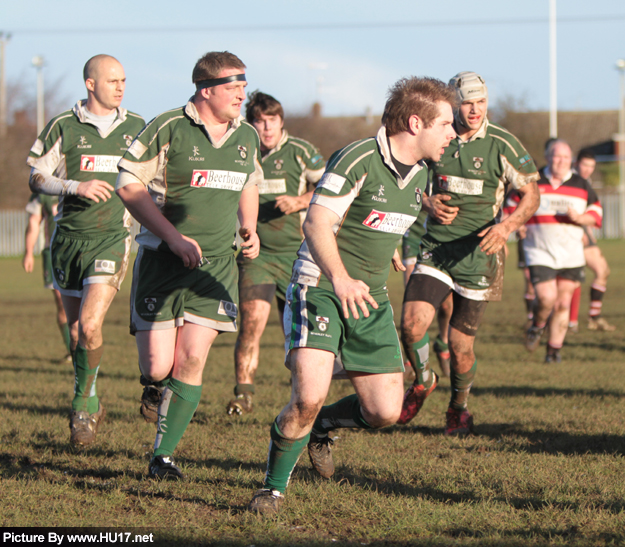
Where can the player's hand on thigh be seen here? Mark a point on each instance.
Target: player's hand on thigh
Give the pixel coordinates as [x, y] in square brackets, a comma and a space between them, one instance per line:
[187, 249]
[353, 294]
[95, 190]
[251, 244]
[398, 265]
[493, 238]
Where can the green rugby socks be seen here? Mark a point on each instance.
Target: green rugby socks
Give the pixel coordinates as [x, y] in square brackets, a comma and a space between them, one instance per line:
[344, 413]
[64, 328]
[178, 404]
[239, 389]
[460, 387]
[283, 456]
[420, 353]
[86, 366]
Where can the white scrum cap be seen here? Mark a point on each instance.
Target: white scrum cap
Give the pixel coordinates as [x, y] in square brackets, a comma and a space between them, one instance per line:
[469, 85]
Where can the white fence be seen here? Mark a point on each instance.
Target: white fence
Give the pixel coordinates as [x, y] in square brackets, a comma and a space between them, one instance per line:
[13, 226]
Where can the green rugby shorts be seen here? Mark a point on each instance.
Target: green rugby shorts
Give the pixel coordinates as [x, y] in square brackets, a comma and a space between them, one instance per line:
[48, 282]
[165, 293]
[463, 266]
[313, 318]
[265, 269]
[79, 261]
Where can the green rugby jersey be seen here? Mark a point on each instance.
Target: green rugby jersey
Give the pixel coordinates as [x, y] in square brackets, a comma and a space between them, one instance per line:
[287, 169]
[412, 237]
[71, 148]
[476, 173]
[375, 207]
[195, 182]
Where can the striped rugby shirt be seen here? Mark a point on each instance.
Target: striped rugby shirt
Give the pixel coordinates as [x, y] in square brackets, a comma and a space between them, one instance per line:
[196, 183]
[73, 149]
[288, 169]
[476, 174]
[375, 207]
[552, 239]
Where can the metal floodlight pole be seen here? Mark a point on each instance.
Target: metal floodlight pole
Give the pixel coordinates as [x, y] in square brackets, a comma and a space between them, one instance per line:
[38, 62]
[553, 72]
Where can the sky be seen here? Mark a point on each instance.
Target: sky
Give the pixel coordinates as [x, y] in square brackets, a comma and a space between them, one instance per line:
[343, 53]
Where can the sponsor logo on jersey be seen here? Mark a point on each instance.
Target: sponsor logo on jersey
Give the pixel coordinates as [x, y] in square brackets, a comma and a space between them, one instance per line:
[150, 303]
[128, 139]
[332, 182]
[220, 180]
[322, 323]
[460, 185]
[477, 162]
[83, 142]
[315, 159]
[483, 282]
[227, 308]
[105, 266]
[378, 198]
[272, 186]
[390, 223]
[196, 155]
[554, 206]
[417, 195]
[87, 163]
[243, 151]
[99, 164]
[525, 159]
[278, 164]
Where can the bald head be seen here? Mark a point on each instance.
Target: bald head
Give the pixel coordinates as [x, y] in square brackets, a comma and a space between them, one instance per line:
[105, 81]
[93, 67]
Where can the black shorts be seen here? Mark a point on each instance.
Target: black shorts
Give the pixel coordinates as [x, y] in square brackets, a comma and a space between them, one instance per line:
[590, 240]
[539, 274]
[520, 254]
[467, 314]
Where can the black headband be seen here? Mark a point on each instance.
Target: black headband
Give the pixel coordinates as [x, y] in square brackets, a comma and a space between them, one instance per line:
[219, 81]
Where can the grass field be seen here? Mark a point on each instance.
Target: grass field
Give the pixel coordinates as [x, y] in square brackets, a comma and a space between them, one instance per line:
[545, 467]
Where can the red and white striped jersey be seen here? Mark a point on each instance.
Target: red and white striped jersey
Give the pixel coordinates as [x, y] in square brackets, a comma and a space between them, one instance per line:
[553, 239]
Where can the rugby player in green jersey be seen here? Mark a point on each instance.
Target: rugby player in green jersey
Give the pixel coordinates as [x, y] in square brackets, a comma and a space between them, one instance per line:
[185, 178]
[337, 303]
[291, 168]
[462, 251]
[75, 157]
[410, 250]
[41, 207]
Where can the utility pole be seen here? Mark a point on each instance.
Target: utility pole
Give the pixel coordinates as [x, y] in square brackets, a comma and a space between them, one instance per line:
[4, 38]
[39, 62]
[553, 72]
[620, 142]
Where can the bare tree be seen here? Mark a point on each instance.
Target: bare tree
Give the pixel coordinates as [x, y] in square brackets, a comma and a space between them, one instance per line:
[21, 133]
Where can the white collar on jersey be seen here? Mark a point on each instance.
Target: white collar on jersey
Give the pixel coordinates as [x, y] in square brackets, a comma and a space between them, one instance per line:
[388, 159]
[481, 132]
